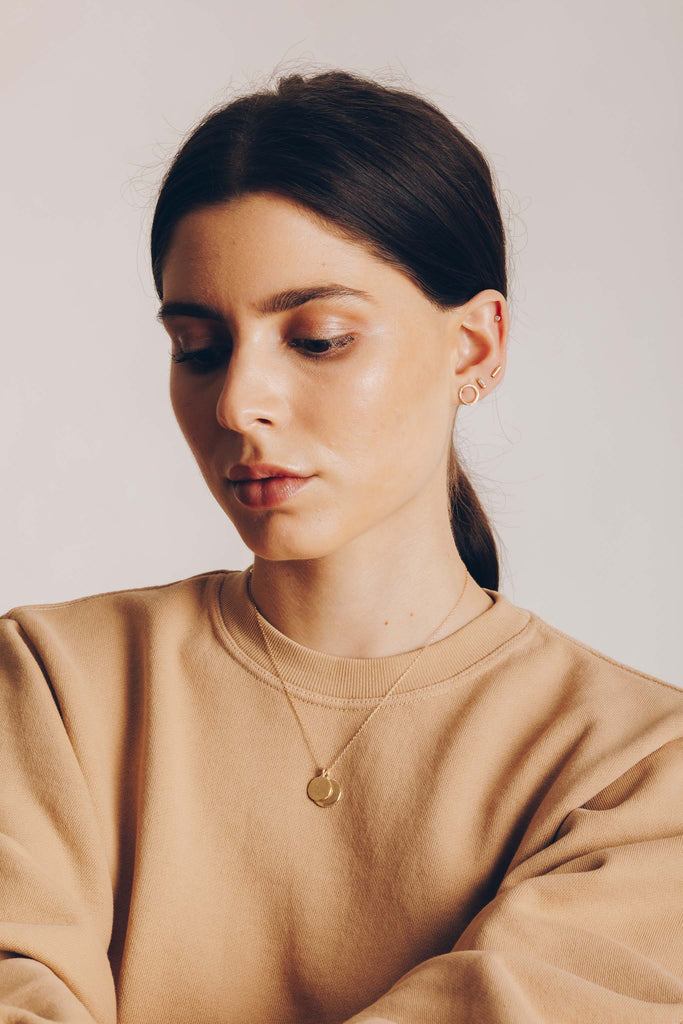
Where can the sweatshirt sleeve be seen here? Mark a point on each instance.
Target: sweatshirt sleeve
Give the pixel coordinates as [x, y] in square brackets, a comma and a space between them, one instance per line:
[587, 929]
[56, 900]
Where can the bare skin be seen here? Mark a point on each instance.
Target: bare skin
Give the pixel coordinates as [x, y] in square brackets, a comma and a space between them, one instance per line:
[361, 562]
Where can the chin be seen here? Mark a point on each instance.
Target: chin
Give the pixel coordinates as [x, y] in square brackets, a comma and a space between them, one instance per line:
[275, 549]
[287, 538]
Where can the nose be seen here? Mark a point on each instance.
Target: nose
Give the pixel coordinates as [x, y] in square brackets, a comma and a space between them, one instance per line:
[252, 391]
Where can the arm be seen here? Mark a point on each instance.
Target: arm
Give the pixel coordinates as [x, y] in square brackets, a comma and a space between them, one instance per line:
[588, 929]
[56, 902]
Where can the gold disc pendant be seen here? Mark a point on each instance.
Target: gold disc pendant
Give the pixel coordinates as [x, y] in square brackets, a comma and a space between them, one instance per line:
[323, 790]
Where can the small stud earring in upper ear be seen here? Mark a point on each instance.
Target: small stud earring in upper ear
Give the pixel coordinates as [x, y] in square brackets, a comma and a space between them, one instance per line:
[497, 316]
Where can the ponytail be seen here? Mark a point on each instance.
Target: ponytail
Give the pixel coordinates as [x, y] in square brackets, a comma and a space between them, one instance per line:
[471, 529]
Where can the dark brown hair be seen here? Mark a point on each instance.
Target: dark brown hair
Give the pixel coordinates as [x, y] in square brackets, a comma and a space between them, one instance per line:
[385, 167]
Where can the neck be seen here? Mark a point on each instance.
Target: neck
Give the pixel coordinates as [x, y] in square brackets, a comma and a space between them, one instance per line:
[373, 598]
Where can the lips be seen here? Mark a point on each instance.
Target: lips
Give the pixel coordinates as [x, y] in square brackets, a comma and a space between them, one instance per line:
[268, 492]
[262, 471]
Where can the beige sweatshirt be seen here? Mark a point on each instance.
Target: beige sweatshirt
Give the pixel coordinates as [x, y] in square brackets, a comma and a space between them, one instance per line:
[507, 847]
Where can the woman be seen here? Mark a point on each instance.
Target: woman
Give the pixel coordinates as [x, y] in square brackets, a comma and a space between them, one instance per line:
[354, 783]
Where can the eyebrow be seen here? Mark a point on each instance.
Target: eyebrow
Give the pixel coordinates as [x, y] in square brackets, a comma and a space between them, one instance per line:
[280, 303]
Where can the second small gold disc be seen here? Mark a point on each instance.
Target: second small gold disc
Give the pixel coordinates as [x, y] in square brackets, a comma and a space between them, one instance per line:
[334, 795]
[323, 790]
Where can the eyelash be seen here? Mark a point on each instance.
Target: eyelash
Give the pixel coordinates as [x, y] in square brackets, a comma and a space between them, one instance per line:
[205, 360]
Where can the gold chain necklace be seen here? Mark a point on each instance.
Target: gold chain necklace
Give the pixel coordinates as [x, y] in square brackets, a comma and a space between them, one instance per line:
[322, 789]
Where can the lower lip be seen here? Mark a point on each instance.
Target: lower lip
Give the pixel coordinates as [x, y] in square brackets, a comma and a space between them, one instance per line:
[268, 493]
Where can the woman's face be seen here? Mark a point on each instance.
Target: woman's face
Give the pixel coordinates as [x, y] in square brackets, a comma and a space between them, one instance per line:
[365, 415]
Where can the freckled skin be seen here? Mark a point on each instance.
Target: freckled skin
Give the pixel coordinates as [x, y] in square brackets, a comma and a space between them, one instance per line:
[372, 422]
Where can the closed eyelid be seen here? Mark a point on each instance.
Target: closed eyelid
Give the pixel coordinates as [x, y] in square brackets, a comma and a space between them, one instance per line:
[306, 326]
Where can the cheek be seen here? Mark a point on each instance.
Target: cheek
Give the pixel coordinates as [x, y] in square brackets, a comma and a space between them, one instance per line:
[380, 419]
[351, 413]
[179, 403]
[190, 414]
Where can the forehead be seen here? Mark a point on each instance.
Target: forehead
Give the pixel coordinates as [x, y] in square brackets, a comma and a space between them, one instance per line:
[259, 241]
[234, 254]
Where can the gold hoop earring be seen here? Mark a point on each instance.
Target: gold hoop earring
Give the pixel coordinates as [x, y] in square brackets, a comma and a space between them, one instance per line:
[476, 394]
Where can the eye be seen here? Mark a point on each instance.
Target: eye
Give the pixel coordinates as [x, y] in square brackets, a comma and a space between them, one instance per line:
[208, 360]
[320, 348]
[202, 360]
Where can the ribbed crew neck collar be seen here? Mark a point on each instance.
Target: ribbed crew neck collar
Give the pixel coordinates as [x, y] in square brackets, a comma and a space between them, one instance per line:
[315, 673]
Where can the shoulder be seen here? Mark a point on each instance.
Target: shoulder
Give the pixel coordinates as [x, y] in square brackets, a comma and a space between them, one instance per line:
[579, 663]
[130, 597]
[595, 710]
[586, 717]
[100, 619]
[102, 653]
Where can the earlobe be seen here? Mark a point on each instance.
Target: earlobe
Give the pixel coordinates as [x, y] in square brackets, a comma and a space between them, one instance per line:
[472, 392]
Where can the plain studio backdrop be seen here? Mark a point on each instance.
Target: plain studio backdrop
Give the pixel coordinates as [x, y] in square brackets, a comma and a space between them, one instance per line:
[576, 456]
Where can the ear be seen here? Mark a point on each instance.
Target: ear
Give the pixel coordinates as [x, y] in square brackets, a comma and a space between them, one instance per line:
[480, 344]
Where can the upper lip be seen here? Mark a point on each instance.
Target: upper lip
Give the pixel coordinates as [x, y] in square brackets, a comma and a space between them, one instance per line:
[260, 471]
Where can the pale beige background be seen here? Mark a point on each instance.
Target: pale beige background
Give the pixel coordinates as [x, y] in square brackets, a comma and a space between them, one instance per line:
[578, 455]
